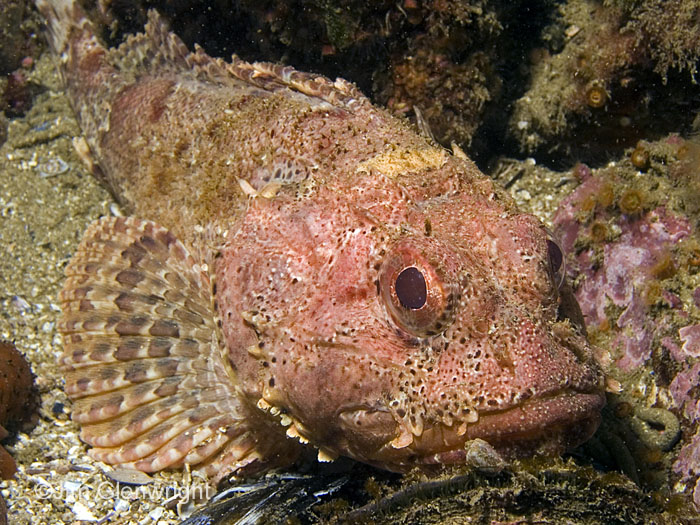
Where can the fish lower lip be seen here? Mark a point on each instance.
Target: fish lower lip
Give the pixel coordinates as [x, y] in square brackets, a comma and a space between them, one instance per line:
[544, 425]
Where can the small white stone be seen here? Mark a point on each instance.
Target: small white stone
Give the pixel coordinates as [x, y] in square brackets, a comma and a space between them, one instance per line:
[71, 486]
[524, 195]
[572, 31]
[121, 505]
[115, 210]
[156, 513]
[82, 513]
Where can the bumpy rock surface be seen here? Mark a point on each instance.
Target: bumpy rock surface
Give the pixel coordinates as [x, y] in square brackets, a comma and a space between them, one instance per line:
[632, 228]
[15, 398]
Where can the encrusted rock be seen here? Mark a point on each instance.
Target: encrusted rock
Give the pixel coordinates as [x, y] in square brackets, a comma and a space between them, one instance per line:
[15, 398]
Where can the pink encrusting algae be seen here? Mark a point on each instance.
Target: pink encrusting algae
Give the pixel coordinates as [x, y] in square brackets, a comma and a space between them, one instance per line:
[634, 243]
[298, 269]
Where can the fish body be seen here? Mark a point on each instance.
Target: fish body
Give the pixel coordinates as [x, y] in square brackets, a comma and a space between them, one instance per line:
[299, 268]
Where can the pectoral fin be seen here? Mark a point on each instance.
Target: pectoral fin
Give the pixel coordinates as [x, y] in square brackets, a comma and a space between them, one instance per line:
[145, 366]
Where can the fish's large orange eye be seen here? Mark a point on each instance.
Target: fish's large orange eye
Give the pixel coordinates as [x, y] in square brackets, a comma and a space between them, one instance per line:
[418, 293]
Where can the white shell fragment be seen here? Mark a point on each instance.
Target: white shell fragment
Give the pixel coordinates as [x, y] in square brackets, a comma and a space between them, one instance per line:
[128, 476]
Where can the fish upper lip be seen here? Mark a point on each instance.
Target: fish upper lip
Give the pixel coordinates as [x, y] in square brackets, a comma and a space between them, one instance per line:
[556, 422]
[551, 423]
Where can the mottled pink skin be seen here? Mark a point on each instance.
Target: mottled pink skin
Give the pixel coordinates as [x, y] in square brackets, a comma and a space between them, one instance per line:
[304, 273]
[354, 378]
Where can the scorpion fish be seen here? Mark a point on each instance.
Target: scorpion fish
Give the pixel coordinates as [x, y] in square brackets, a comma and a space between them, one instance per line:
[298, 270]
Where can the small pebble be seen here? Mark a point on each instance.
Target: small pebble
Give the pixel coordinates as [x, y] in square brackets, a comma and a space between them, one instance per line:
[16, 398]
[20, 304]
[52, 167]
[82, 512]
[128, 476]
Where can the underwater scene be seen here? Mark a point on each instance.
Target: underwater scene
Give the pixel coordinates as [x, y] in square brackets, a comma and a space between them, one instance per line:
[312, 261]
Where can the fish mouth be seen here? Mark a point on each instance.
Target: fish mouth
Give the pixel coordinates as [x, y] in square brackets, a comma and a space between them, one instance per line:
[548, 425]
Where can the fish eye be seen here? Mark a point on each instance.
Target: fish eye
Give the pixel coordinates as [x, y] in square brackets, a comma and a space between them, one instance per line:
[411, 289]
[419, 298]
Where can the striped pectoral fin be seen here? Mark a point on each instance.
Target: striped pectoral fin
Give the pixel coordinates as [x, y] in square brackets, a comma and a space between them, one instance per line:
[144, 366]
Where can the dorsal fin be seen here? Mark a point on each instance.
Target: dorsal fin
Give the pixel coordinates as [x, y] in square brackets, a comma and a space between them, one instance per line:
[271, 77]
[158, 49]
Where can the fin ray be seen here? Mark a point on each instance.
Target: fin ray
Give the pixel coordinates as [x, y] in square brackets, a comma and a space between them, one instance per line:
[143, 359]
[158, 49]
[113, 349]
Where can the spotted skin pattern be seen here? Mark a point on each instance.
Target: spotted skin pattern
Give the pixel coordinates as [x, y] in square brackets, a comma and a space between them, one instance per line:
[257, 301]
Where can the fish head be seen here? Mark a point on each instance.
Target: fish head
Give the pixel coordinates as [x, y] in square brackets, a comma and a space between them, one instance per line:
[394, 328]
